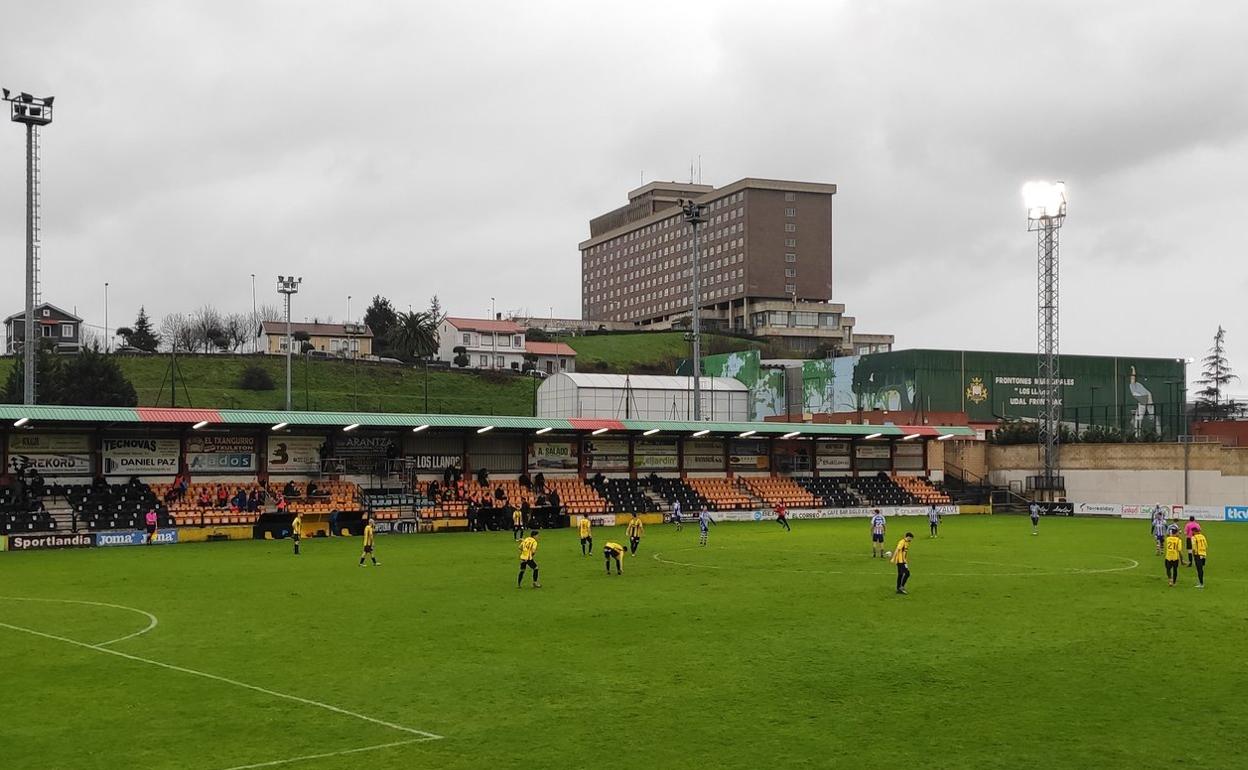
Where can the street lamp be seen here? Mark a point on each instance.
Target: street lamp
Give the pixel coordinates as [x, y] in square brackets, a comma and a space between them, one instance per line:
[34, 112]
[1046, 211]
[106, 337]
[255, 339]
[288, 285]
[695, 214]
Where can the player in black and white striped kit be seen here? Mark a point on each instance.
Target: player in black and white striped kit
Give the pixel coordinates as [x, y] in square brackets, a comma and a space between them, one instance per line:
[877, 534]
[675, 517]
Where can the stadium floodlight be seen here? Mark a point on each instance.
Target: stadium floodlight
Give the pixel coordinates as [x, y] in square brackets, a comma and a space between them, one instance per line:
[695, 214]
[21, 421]
[486, 429]
[544, 431]
[792, 434]
[746, 433]
[700, 433]
[279, 426]
[873, 435]
[288, 285]
[200, 424]
[1046, 211]
[351, 427]
[945, 437]
[34, 113]
[599, 431]
[911, 436]
[651, 432]
[419, 428]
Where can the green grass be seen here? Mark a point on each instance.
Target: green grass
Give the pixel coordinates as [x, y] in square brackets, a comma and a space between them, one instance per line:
[650, 352]
[764, 649]
[212, 381]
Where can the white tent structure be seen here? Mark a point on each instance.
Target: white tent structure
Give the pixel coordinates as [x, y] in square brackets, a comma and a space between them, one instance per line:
[641, 397]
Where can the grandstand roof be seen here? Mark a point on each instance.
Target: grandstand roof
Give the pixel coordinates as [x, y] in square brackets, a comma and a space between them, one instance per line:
[102, 416]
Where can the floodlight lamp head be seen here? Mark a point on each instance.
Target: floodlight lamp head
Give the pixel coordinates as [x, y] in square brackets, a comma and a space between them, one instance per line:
[1044, 200]
[6, 92]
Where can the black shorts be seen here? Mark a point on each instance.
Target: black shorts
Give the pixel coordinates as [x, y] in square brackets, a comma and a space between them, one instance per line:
[877, 537]
[586, 539]
[368, 549]
[151, 529]
[1174, 563]
[530, 563]
[1189, 544]
[611, 553]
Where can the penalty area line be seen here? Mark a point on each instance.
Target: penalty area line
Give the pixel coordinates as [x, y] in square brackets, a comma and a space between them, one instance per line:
[422, 734]
[327, 755]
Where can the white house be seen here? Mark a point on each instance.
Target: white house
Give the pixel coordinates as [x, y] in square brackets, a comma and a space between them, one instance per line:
[496, 344]
[552, 357]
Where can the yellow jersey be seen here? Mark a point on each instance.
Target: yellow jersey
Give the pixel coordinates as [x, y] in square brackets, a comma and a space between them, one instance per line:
[1174, 548]
[614, 547]
[368, 535]
[635, 528]
[1200, 546]
[517, 518]
[901, 554]
[296, 526]
[528, 548]
[583, 525]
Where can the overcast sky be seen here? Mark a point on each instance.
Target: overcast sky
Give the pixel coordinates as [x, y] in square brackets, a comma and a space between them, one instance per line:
[460, 149]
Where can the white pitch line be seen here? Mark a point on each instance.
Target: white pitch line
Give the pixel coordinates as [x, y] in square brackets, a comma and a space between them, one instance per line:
[227, 680]
[152, 622]
[306, 757]
[1071, 571]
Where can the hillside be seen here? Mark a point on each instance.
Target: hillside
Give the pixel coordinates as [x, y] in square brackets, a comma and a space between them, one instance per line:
[212, 381]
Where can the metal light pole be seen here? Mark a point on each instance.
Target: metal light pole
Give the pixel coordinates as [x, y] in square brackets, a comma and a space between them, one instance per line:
[1046, 211]
[695, 215]
[34, 112]
[288, 286]
[106, 337]
[255, 338]
[493, 336]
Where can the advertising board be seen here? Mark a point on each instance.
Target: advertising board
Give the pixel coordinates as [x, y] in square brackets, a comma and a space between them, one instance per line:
[52, 454]
[1236, 513]
[141, 456]
[295, 454]
[704, 454]
[606, 455]
[553, 455]
[44, 542]
[655, 454]
[221, 454]
[133, 537]
[52, 465]
[832, 513]
[872, 452]
[362, 446]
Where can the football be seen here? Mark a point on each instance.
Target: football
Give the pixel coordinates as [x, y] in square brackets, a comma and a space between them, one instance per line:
[888, 554]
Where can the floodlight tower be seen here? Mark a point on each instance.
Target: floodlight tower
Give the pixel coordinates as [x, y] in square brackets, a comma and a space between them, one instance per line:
[288, 285]
[34, 112]
[1046, 211]
[695, 214]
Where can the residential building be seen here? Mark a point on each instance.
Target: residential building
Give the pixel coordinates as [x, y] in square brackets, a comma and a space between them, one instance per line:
[336, 340]
[496, 344]
[552, 357]
[765, 243]
[51, 323]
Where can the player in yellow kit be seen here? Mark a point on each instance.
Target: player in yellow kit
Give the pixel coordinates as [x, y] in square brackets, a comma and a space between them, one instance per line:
[296, 531]
[517, 524]
[901, 557]
[613, 551]
[369, 533]
[1200, 552]
[587, 535]
[635, 531]
[1173, 553]
[528, 558]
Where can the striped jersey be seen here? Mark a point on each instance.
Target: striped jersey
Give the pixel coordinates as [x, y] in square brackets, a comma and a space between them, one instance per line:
[704, 519]
[933, 515]
[1159, 527]
[877, 524]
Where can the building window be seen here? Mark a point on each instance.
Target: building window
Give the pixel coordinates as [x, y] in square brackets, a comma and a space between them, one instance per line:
[790, 212]
[47, 331]
[517, 341]
[467, 338]
[790, 272]
[790, 288]
[498, 361]
[67, 331]
[504, 341]
[790, 243]
[563, 364]
[790, 257]
[790, 196]
[789, 227]
[485, 361]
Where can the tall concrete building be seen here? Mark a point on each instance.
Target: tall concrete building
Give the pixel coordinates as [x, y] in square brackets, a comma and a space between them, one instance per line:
[765, 257]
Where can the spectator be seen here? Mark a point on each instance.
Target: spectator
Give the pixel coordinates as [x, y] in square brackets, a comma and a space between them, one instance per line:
[525, 481]
[205, 500]
[598, 479]
[456, 473]
[223, 497]
[392, 451]
[289, 490]
[554, 502]
[240, 500]
[313, 490]
[446, 476]
[539, 482]
[253, 501]
[282, 505]
[499, 494]
[333, 523]
[483, 477]
[432, 494]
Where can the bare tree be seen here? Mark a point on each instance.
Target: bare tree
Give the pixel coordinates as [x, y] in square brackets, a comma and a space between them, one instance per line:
[177, 332]
[208, 327]
[237, 328]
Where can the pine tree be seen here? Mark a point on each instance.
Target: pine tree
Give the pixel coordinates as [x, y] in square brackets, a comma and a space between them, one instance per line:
[141, 335]
[1216, 376]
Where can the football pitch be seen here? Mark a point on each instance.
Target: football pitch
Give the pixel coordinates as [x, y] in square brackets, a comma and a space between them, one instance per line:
[763, 649]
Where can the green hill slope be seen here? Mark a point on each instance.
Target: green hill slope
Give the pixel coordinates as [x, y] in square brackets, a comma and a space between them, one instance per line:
[648, 352]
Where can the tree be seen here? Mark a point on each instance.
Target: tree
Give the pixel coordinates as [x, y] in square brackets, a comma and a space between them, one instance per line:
[93, 379]
[1216, 376]
[415, 336]
[141, 335]
[208, 327]
[461, 356]
[47, 374]
[237, 330]
[178, 332]
[381, 319]
[435, 311]
[530, 362]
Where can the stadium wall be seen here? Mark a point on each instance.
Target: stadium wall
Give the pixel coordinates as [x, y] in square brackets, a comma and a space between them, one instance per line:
[1189, 474]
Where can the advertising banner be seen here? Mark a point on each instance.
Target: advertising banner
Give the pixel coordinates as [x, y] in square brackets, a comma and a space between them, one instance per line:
[873, 452]
[141, 456]
[221, 454]
[655, 462]
[704, 454]
[295, 454]
[49, 443]
[606, 455]
[362, 446]
[52, 465]
[134, 537]
[832, 513]
[43, 542]
[655, 454]
[832, 462]
[748, 455]
[1098, 509]
[655, 446]
[433, 463]
[553, 455]
[1233, 513]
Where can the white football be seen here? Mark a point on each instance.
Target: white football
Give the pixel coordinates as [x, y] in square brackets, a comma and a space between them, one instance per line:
[888, 554]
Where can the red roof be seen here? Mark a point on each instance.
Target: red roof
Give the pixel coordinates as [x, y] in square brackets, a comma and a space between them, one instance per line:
[169, 414]
[548, 349]
[593, 423]
[484, 325]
